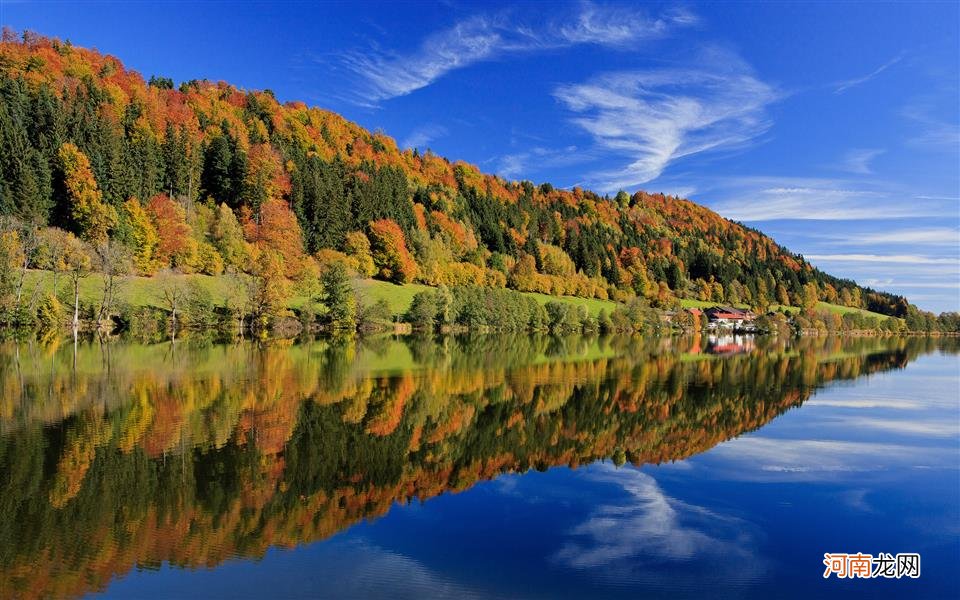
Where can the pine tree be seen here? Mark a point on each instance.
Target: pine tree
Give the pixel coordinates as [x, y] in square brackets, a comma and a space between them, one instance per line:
[338, 297]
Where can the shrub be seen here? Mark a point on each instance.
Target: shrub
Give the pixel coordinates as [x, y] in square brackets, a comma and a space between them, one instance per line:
[50, 312]
[424, 309]
[198, 306]
[374, 316]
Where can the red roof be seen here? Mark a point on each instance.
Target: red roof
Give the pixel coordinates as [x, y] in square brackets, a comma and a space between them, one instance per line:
[726, 315]
[723, 312]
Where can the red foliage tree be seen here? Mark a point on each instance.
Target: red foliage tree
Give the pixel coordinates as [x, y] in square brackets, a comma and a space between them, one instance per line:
[390, 254]
[170, 220]
[276, 228]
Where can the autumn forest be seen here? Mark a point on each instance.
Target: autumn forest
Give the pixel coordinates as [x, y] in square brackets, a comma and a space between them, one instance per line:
[104, 171]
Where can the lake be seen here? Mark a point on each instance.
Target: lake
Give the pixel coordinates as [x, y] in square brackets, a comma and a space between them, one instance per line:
[477, 467]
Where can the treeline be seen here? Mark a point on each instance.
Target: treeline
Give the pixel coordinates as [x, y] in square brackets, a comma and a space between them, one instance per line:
[209, 178]
[830, 322]
[472, 307]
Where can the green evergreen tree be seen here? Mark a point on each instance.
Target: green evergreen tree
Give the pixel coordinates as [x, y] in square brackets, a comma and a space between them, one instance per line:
[339, 298]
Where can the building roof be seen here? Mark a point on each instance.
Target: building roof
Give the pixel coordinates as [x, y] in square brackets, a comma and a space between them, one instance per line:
[729, 312]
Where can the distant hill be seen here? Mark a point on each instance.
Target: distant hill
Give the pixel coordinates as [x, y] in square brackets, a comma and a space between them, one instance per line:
[203, 176]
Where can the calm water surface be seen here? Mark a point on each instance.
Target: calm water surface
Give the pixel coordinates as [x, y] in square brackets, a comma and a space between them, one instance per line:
[513, 467]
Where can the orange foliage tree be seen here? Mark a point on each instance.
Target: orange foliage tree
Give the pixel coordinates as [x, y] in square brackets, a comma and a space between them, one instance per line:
[276, 229]
[170, 221]
[390, 254]
[266, 177]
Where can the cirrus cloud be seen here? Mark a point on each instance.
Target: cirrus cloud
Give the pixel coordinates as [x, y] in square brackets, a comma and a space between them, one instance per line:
[657, 116]
[485, 37]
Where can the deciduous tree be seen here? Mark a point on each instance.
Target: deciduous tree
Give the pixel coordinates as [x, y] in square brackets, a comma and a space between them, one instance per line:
[76, 263]
[390, 253]
[170, 221]
[92, 218]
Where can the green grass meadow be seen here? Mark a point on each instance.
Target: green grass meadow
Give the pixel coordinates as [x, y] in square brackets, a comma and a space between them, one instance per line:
[146, 291]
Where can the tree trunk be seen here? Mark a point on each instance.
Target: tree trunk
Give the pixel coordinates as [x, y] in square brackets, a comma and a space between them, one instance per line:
[23, 276]
[105, 300]
[76, 305]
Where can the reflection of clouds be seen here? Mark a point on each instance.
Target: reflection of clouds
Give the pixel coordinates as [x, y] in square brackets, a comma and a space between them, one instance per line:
[897, 422]
[350, 567]
[763, 459]
[357, 569]
[643, 535]
[857, 499]
[908, 427]
[506, 485]
[873, 402]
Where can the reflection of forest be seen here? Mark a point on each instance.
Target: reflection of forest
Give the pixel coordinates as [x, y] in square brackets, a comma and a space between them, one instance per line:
[122, 455]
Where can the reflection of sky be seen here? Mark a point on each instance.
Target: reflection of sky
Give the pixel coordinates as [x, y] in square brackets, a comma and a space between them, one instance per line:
[866, 466]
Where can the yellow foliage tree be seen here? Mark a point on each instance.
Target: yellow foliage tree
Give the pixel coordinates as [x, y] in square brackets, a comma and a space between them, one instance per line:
[143, 236]
[358, 246]
[92, 216]
[11, 257]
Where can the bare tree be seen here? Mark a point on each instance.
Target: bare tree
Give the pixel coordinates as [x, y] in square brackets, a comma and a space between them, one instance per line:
[29, 241]
[173, 291]
[77, 263]
[52, 247]
[113, 261]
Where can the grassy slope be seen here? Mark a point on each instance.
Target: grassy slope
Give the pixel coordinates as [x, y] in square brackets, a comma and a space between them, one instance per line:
[593, 305]
[399, 297]
[138, 291]
[146, 291]
[691, 303]
[834, 308]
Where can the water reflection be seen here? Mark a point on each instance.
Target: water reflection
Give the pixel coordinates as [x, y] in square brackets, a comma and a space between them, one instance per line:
[730, 344]
[123, 455]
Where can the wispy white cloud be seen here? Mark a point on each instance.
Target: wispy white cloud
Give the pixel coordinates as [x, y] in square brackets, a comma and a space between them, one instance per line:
[858, 160]
[950, 198]
[813, 203]
[614, 25]
[516, 165]
[884, 258]
[485, 37]
[903, 277]
[843, 86]
[767, 198]
[946, 285]
[422, 136]
[934, 131]
[680, 191]
[655, 117]
[932, 236]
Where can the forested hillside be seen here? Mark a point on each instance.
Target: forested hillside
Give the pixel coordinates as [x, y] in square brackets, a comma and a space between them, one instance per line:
[205, 177]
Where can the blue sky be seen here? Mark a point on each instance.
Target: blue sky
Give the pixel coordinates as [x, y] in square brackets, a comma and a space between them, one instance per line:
[833, 127]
